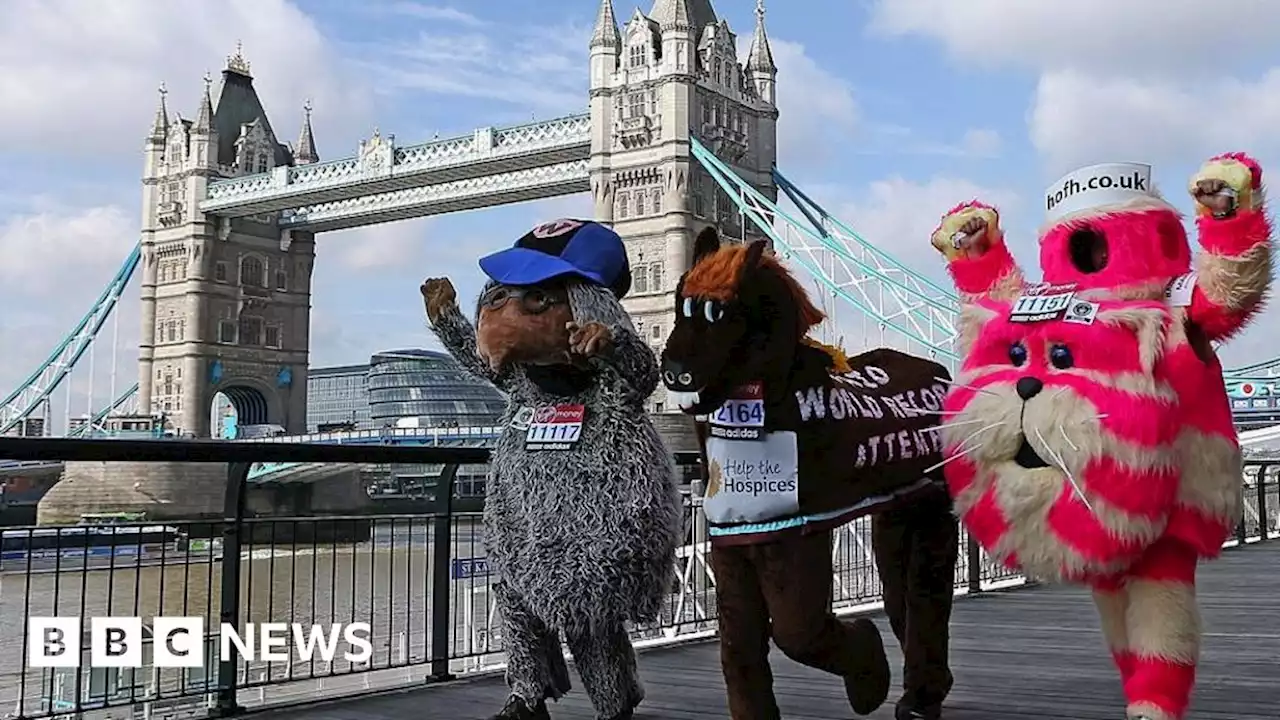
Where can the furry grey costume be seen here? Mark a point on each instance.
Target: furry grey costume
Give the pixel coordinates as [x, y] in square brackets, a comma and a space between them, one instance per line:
[583, 540]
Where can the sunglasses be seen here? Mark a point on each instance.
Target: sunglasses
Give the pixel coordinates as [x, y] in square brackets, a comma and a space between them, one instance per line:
[532, 300]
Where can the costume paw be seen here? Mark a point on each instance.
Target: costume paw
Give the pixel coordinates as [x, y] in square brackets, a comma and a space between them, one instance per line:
[589, 340]
[1226, 184]
[968, 230]
[438, 294]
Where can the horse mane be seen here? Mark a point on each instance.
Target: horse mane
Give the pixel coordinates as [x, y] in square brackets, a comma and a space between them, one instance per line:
[716, 276]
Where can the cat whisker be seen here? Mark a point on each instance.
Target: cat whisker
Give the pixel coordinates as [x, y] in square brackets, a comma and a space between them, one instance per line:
[958, 423]
[1062, 465]
[1063, 431]
[979, 431]
[953, 383]
[952, 458]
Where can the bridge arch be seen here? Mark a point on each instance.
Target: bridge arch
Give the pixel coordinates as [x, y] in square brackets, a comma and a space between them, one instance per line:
[252, 401]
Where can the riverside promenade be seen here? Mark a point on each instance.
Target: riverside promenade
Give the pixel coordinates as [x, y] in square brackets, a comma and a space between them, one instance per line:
[1032, 652]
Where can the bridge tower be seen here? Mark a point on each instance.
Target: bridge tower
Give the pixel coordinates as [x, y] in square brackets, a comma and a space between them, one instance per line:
[225, 302]
[656, 81]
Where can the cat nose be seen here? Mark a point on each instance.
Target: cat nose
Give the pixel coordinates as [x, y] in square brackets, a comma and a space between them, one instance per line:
[1029, 387]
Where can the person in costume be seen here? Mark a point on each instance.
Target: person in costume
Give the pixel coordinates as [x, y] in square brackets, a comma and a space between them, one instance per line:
[799, 439]
[1114, 247]
[582, 515]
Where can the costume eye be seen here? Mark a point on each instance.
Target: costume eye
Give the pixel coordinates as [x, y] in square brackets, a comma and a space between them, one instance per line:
[1060, 357]
[1018, 354]
[713, 311]
[686, 309]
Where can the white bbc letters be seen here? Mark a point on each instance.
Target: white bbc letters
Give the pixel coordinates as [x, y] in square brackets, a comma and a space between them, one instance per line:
[115, 641]
[178, 641]
[53, 642]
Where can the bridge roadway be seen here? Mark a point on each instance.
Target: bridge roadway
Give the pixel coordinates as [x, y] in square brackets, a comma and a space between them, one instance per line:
[1026, 653]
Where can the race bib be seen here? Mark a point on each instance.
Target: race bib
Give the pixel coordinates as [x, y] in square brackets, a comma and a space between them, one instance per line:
[1037, 307]
[1178, 294]
[752, 482]
[741, 417]
[555, 427]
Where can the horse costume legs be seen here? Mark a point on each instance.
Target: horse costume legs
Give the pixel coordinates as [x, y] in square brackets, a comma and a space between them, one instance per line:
[606, 661]
[536, 669]
[1152, 623]
[916, 547]
[783, 589]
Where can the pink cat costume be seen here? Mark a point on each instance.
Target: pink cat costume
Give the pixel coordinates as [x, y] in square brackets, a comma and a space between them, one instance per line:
[1132, 246]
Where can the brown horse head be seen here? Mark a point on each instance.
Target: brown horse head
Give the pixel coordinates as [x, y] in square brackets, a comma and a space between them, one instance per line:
[740, 317]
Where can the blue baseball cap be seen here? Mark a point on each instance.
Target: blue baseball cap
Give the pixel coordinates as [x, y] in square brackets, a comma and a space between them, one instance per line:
[560, 248]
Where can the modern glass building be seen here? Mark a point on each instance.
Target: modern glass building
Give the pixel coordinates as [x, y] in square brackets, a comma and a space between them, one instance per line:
[338, 396]
[431, 388]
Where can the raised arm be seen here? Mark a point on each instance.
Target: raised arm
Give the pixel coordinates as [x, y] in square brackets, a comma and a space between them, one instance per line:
[970, 238]
[622, 354]
[1233, 270]
[455, 331]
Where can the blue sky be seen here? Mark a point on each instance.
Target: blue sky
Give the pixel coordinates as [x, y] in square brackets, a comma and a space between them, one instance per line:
[892, 111]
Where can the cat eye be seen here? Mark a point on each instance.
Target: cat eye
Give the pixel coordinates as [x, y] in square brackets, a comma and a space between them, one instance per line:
[1018, 354]
[1060, 357]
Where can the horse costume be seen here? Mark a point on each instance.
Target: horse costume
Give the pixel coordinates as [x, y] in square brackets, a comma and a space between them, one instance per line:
[798, 440]
[1167, 491]
[582, 516]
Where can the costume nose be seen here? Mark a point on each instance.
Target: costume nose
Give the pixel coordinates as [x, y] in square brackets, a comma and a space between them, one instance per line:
[1029, 387]
[676, 377]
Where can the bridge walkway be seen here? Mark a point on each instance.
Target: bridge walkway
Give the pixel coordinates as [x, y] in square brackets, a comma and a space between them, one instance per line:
[1016, 654]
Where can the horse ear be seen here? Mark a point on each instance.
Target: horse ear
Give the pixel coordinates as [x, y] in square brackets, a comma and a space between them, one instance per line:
[755, 251]
[707, 242]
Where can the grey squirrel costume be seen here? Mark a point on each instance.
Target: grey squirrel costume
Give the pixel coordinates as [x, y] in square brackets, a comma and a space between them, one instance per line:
[582, 516]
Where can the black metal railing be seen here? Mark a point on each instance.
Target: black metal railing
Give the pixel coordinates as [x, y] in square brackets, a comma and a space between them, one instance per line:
[413, 569]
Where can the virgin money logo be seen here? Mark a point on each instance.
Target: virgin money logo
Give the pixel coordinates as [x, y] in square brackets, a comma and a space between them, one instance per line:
[544, 414]
[556, 227]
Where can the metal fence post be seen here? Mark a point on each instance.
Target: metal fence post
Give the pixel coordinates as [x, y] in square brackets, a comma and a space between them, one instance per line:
[974, 553]
[441, 573]
[1263, 517]
[232, 525]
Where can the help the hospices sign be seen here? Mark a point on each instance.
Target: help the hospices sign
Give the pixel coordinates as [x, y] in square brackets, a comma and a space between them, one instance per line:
[179, 642]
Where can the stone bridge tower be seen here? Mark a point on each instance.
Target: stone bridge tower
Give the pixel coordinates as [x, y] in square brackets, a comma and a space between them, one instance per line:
[656, 81]
[225, 303]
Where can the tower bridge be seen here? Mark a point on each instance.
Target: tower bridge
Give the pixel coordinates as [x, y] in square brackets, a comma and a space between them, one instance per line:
[679, 133]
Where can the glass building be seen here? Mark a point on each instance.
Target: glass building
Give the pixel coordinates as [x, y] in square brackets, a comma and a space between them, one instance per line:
[337, 397]
[431, 388]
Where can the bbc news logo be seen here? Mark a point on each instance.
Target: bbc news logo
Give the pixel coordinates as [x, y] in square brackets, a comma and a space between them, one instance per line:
[180, 642]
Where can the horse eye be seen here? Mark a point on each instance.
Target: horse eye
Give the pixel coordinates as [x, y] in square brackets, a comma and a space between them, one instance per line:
[1018, 354]
[712, 311]
[687, 308]
[1060, 357]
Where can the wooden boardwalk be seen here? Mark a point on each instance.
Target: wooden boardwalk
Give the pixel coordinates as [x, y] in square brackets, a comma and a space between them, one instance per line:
[1020, 654]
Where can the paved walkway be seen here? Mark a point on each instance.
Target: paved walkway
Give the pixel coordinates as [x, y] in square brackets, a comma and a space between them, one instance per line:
[1030, 653]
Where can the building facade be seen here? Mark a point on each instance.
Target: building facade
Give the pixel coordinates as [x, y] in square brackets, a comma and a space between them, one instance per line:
[226, 303]
[338, 396]
[656, 81]
[430, 389]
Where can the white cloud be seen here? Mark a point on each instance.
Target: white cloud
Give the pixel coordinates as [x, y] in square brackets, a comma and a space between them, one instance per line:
[79, 82]
[541, 70]
[899, 215]
[54, 262]
[816, 107]
[1106, 36]
[1078, 119]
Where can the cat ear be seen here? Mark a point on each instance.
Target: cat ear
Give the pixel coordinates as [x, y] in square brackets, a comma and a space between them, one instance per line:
[1149, 324]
